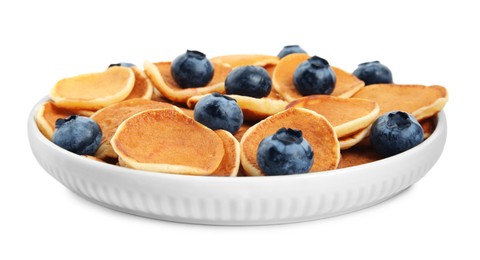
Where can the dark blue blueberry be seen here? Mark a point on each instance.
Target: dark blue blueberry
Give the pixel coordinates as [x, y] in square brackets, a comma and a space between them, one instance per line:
[285, 152]
[373, 73]
[77, 134]
[314, 76]
[252, 81]
[192, 70]
[217, 111]
[395, 132]
[289, 49]
[122, 64]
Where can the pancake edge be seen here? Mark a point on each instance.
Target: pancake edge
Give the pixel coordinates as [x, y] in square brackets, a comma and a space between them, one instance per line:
[95, 103]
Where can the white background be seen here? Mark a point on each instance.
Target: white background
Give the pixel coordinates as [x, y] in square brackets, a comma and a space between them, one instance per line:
[425, 43]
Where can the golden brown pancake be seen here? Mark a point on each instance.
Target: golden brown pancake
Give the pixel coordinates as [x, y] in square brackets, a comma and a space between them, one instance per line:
[143, 87]
[315, 128]
[350, 140]
[418, 100]
[231, 159]
[347, 115]
[111, 117]
[93, 91]
[48, 114]
[237, 60]
[282, 80]
[428, 124]
[252, 108]
[166, 140]
[241, 131]
[159, 73]
[357, 156]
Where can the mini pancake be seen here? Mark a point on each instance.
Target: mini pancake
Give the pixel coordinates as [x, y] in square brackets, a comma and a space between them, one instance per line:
[237, 60]
[166, 140]
[348, 141]
[252, 108]
[347, 115]
[315, 129]
[418, 100]
[143, 87]
[357, 156]
[159, 73]
[111, 117]
[231, 159]
[93, 91]
[428, 125]
[282, 80]
[241, 131]
[48, 114]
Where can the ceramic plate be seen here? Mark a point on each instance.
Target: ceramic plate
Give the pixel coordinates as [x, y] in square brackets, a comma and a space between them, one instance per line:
[242, 200]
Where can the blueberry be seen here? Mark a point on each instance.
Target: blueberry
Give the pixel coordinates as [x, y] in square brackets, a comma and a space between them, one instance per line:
[192, 70]
[217, 111]
[395, 132]
[314, 76]
[373, 73]
[77, 134]
[252, 81]
[289, 49]
[285, 152]
[122, 64]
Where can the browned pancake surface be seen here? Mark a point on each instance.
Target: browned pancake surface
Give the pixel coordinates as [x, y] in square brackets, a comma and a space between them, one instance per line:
[338, 111]
[111, 117]
[315, 128]
[168, 140]
[357, 156]
[418, 100]
[241, 131]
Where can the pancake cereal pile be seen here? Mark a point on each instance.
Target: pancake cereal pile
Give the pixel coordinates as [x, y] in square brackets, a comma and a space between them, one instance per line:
[166, 118]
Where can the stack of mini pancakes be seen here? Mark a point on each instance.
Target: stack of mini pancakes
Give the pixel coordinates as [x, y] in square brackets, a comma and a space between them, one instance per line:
[147, 119]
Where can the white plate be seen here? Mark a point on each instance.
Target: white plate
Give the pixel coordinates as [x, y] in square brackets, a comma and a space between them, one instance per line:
[237, 201]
